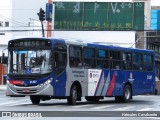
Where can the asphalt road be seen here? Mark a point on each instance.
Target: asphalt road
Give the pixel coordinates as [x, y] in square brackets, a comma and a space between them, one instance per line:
[89, 110]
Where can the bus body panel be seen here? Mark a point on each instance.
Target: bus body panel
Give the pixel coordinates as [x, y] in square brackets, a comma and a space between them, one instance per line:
[33, 90]
[59, 84]
[111, 82]
[76, 75]
[143, 82]
[29, 87]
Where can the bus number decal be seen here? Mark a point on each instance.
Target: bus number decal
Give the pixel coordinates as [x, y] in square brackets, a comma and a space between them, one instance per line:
[33, 82]
[149, 77]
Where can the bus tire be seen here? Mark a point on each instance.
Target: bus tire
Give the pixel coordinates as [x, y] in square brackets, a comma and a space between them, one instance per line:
[73, 96]
[35, 99]
[127, 95]
[156, 91]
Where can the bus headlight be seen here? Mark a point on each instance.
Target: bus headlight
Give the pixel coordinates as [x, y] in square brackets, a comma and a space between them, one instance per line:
[48, 81]
[7, 82]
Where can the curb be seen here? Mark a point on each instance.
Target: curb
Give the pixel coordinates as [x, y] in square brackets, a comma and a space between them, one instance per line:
[2, 91]
[3, 88]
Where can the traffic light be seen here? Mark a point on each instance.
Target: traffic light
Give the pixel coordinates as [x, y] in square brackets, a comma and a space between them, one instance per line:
[41, 14]
[49, 7]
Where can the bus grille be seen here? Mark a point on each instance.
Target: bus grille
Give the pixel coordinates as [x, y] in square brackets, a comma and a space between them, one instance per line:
[26, 91]
[25, 86]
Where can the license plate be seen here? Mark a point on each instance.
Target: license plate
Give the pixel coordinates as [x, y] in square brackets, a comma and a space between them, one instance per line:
[25, 90]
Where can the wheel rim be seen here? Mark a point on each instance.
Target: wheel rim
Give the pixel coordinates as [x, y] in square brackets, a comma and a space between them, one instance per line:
[127, 93]
[74, 95]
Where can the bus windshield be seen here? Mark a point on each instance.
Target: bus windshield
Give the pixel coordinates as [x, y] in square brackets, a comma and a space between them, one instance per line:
[30, 61]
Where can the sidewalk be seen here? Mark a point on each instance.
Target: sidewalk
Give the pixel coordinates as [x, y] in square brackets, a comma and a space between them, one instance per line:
[3, 88]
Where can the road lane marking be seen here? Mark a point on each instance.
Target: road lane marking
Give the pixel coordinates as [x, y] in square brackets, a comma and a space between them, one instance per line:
[102, 107]
[1, 104]
[124, 108]
[80, 106]
[3, 98]
[145, 109]
[19, 103]
[156, 118]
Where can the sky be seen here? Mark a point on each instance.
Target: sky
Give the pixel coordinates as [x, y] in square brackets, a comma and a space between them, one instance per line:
[155, 2]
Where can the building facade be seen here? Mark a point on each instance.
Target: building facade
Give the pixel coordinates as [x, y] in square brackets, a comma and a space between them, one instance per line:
[17, 19]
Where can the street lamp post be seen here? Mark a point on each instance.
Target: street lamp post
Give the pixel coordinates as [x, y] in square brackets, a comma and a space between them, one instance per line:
[144, 37]
[136, 41]
[2, 61]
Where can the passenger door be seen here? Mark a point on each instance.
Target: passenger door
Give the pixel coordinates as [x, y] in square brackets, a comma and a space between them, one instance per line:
[60, 62]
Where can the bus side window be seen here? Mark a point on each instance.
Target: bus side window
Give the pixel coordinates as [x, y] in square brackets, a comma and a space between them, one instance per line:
[75, 56]
[60, 56]
[115, 60]
[89, 57]
[102, 58]
[62, 59]
[137, 61]
[127, 61]
[148, 62]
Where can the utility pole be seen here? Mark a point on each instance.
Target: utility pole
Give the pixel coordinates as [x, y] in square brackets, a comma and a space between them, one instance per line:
[43, 35]
[49, 8]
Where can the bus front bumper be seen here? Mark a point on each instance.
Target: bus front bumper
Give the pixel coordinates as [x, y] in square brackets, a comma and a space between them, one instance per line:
[31, 90]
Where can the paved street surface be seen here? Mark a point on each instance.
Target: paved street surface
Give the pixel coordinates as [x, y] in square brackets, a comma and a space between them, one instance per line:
[139, 103]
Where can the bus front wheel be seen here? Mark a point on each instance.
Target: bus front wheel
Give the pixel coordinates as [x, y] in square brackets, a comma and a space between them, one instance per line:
[73, 96]
[35, 99]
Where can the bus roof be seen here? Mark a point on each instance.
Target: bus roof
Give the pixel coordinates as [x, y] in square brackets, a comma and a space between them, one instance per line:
[89, 44]
[103, 46]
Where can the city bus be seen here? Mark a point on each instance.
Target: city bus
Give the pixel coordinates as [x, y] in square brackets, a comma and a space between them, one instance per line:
[49, 68]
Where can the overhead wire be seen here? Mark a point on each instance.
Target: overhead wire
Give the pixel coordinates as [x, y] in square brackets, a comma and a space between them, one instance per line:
[13, 21]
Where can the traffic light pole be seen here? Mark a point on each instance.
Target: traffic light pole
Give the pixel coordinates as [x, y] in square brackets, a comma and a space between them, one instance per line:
[43, 35]
[49, 24]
